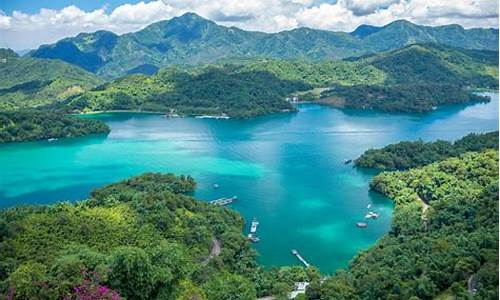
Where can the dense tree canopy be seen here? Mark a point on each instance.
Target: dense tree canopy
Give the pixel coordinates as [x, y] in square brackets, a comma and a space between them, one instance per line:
[406, 155]
[23, 126]
[444, 231]
[142, 238]
[417, 78]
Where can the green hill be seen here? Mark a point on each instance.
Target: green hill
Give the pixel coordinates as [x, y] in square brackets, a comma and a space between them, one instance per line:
[407, 155]
[431, 75]
[31, 82]
[141, 238]
[444, 233]
[190, 39]
[23, 126]
[419, 78]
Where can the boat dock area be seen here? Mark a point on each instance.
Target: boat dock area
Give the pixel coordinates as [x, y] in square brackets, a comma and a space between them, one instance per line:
[223, 201]
[302, 260]
[253, 230]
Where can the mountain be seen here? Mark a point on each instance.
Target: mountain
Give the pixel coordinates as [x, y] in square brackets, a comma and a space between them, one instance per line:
[419, 78]
[33, 82]
[413, 79]
[191, 39]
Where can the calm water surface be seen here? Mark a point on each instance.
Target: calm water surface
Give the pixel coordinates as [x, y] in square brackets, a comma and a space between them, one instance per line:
[287, 169]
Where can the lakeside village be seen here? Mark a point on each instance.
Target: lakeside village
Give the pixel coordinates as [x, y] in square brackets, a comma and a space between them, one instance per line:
[299, 287]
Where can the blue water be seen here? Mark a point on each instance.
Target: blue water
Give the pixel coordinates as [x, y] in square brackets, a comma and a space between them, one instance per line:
[286, 169]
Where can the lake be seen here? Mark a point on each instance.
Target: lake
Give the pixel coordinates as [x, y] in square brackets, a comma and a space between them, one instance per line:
[287, 170]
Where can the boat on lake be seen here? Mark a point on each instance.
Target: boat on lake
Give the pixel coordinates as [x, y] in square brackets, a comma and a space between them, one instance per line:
[371, 215]
[52, 140]
[361, 224]
[347, 161]
[253, 229]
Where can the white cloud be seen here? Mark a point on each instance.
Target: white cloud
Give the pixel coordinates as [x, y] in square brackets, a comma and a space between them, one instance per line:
[20, 30]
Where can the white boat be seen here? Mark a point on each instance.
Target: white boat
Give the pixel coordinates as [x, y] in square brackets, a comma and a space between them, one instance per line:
[52, 140]
[368, 206]
[253, 228]
[372, 215]
[361, 224]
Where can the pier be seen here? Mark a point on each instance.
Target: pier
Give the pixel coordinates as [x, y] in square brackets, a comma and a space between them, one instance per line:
[302, 260]
[223, 201]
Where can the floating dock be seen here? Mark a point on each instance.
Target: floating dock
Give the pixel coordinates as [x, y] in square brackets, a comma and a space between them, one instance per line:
[299, 257]
[253, 229]
[223, 201]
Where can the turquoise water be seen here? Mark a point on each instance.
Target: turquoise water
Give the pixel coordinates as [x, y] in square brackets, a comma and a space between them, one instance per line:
[286, 169]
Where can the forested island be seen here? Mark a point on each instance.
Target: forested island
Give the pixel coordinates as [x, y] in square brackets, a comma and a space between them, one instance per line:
[21, 126]
[407, 155]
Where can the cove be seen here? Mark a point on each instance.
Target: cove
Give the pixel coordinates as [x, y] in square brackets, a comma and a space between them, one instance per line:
[287, 169]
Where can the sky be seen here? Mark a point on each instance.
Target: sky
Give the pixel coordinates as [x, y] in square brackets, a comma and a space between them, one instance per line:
[26, 24]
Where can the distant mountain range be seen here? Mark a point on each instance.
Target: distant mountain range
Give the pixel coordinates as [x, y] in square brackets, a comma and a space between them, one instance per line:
[191, 39]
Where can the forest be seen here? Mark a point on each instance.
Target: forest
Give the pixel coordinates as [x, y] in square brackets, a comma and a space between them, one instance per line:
[407, 155]
[21, 126]
[417, 78]
[443, 237]
[142, 238]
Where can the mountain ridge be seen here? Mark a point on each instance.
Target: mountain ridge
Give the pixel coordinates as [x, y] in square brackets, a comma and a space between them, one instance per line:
[191, 39]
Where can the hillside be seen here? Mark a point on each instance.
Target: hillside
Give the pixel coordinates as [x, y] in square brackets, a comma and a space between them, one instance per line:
[190, 39]
[407, 155]
[444, 233]
[419, 78]
[31, 82]
[141, 238]
[21, 126]
[432, 75]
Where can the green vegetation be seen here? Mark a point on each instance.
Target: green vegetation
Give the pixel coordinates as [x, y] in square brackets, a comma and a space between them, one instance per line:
[32, 83]
[444, 231]
[407, 155]
[190, 39]
[31, 125]
[419, 78]
[260, 86]
[208, 90]
[142, 238]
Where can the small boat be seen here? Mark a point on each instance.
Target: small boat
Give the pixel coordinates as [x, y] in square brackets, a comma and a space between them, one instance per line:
[347, 161]
[295, 252]
[253, 228]
[216, 186]
[368, 206]
[253, 238]
[52, 140]
[361, 224]
[372, 215]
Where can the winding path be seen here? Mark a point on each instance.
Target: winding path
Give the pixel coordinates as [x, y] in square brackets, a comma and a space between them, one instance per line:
[471, 285]
[214, 251]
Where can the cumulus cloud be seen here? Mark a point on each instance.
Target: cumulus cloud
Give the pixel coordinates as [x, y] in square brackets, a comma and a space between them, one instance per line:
[20, 30]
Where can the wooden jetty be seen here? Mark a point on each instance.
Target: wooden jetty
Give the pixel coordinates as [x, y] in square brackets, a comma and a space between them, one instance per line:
[299, 257]
[223, 201]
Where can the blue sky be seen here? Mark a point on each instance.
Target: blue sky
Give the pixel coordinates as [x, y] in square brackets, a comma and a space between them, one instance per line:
[33, 6]
[26, 24]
